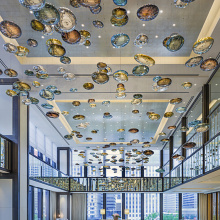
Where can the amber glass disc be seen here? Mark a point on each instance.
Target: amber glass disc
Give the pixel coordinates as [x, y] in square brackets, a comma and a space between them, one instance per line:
[89, 3]
[148, 12]
[79, 117]
[22, 51]
[189, 145]
[71, 37]
[10, 73]
[56, 50]
[168, 114]
[98, 24]
[154, 116]
[203, 45]
[85, 33]
[148, 152]
[209, 64]
[121, 76]
[53, 114]
[194, 61]
[53, 41]
[172, 127]
[187, 85]
[10, 29]
[96, 10]
[75, 3]
[21, 86]
[11, 93]
[37, 25]
[76, 103]
[133, 130]
[101, 65]
[176, 101]
[88, 86]
[176, 156]
[119, 13]
[144, 59]
[100, 78]
[164, 82]
[119, 22]
[32, 43]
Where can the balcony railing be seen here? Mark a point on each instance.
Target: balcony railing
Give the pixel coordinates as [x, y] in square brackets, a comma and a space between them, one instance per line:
[5, 154]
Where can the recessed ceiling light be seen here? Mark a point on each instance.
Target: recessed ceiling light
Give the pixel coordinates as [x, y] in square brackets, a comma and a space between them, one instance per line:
[128, 11]
[31, 12]
[174, 25]
[99, 36]
[156, 36]
[194, 84]
[143, 25]
[42, 37]
[216, 84]
[82, 25]
[87, 47]
[161, 11]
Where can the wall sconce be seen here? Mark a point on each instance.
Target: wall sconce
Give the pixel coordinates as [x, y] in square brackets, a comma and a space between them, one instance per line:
[102, 212]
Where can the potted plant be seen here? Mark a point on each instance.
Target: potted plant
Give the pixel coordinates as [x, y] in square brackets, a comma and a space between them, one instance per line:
[116, 216]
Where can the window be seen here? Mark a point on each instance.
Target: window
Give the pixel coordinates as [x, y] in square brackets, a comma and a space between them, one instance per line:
[37, 204]
[171, 206]
[133, 203]
[151, 205]
[189, 206]
[113, 205]
[94, 204]
[46, 205]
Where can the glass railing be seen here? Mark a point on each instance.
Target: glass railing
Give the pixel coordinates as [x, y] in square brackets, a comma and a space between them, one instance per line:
[41, 171]
[214, 121]
[5, 149]
[166, 182]
[176, 176]
[148, 184]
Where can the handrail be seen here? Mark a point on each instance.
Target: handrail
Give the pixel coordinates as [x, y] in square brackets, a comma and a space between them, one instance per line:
[211, 139]
[213, 110]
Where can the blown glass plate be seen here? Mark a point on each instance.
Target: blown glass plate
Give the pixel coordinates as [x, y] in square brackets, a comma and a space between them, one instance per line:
[140, 70]
[181, 110]
[164, 82]
[71, 37]
[147, 12]
[144, 59]
[36, 84]
[120, 2]
[101, 66]
[39, 69]
[33, 5]
[121, 76]
[203, 45]
[22, 51]
[194, 61]
[157, 78]
[48, 30]
[67, 21]
[96, 10]
[180, 4]
[120, 40]
[75, 3]
[47, 106]
[53, 41]
[187, 1]
[100, 78]
[201, 128]
[89, 3]
[42, 75]
[137, 96]
[10, 29]
[88, 86]
[98, 24]
[46, 94]
[29, 73]
[53, 114]
[85, 33]
[51, 88]
[187, 85]
[9, 47]
[79, 117]
[194, 123]
[56, 50]
[69, 76]
[119, 13]
[32, 43]
[174, 42]
[48, 15]
[37, 25]
[65, 60]
[209, 64]
[11, 93]
[157, 88]
[21, 86]
[141, 40]
[119, 22]
[10, 73]
[176, 101]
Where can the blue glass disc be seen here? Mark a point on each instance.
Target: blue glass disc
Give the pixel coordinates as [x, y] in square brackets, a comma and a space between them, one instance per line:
[120, 40]
[47, 106]
[181, 110]
[140, 70]
[120, 2]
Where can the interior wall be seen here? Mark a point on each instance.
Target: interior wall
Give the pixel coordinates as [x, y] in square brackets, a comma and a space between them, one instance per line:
[52, 205]
[79, 206]
[63, 206]
[5, 199]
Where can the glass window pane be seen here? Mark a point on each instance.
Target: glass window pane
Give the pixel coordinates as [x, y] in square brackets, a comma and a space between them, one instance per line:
[94, 205]
[151, 206]
[113, 205]
[133, 204]
[46, 205]
[190, 206]
[170, 206]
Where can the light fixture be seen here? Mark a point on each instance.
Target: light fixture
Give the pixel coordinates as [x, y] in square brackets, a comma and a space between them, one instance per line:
[126, 211]
[174, 25]
[143, 25]
[128, 11]
[99, 36]
[31, 12]
[156, 36]
[102, 212]
[42, 37]
[161, 11]
[82, 25]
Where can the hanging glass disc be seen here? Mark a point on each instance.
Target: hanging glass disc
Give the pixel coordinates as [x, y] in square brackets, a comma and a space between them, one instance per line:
[203, 45]
[120, 2]
[98, 24]
[46, 94]
[48, 15]
[53, 114]
[157, 78]
[32, 43]
[48, 30]
[187, 1]
[67, 21]
[29, 73]
[71, 37]
[174, 42]
[37, 25]
[119, 22]
[181, 110]
[89, 3]
[88, 86]
[121, 76]
[194, 61]
[119, 13]
[21, 86]
[39, 69]
[56, 50]
[140, 70]
[100, 78]
[22, 51]
[96, 10]
[65, 60]
[180, 4]
[144, 59]
[147, 12]
[157, 88]
[10, 73]
[11, 93]
[164, 82]
[33, 5]
[47, 106]
[69, 76]
[141, 40]
[36, 84]
[120, 40]
[209, 64]
[10, 29]
[75, 3]
[51, 88]
[9, 47]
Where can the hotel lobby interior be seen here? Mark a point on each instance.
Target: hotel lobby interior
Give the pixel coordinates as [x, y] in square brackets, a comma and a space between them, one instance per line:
[109, 109]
